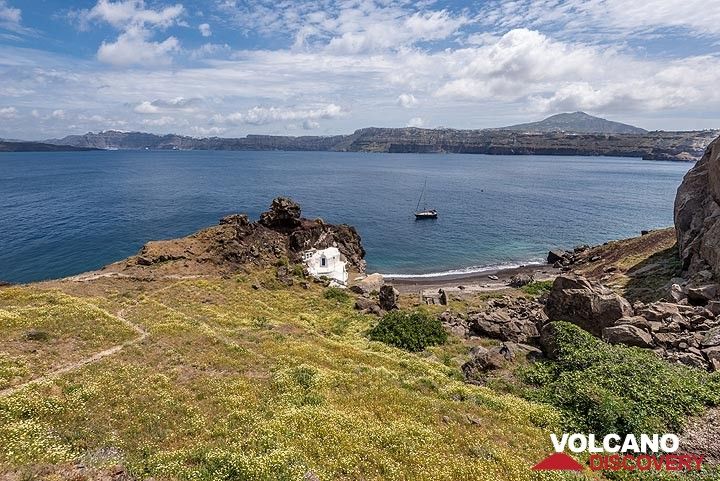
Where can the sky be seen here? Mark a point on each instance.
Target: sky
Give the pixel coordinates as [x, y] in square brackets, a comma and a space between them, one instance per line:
[321, 67]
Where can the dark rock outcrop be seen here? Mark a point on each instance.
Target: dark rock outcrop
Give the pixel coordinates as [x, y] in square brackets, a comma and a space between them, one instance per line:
[697, 214]
[281, 234]
[388, 297]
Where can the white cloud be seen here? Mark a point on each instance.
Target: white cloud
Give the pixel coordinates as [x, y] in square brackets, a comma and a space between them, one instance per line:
[618, 17]
[268, 115]
[310, 124]
[124, 13]
[58, 114]
[9, 17]
[209, 50]
[157, 106]
[207, 131]
[406, 100]
[8, 112]
[205, 30]
[134, 45]
[415, 122]
[133, 48]
[344, 27]
[146, 108]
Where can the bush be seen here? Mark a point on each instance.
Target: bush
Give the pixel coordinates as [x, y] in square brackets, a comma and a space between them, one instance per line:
[412, 331]
[617, 389]
[537, 288]
[336, 294]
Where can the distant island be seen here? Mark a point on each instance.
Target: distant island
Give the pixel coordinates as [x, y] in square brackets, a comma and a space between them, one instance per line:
[564, 134]
[19, 146]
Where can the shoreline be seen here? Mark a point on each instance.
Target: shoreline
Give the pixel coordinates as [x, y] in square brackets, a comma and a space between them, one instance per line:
[476, 281]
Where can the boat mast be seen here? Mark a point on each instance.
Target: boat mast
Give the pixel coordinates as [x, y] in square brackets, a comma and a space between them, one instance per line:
[421, 195]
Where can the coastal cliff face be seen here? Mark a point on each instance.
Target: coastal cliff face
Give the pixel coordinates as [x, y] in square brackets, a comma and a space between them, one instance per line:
[236, 243]
[697, 214]
[659, 145]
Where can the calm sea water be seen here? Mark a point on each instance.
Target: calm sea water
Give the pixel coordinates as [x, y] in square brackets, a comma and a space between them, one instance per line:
[65, 213]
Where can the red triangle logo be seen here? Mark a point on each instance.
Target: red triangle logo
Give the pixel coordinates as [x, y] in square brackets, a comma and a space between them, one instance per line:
[558, 462]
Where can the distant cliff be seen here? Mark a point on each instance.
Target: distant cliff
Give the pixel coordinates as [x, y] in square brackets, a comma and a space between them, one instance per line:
[19, 146]
[658, 145]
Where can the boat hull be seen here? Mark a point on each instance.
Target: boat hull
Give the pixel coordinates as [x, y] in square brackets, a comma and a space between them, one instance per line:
[426, 215]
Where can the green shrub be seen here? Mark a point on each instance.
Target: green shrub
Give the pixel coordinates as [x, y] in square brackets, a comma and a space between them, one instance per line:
[537, 288]
[412, 331]
[617, 389]
[336, 294]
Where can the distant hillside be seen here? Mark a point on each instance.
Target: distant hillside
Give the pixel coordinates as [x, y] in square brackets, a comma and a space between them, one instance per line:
[578, 122]
[658, 145]
[20, 146]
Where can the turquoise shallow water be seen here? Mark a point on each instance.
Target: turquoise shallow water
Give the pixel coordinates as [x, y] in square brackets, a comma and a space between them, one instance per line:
[65, 213]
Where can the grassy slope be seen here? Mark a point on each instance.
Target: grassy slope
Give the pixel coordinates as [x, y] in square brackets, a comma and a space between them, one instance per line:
[237, 383]
[642, 266]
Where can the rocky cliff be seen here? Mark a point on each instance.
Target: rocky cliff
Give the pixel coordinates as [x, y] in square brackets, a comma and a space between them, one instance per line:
[236, 243]
[660, 145]
[697, 214]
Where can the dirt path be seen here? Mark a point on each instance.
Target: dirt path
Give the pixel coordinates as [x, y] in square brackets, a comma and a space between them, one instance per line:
[142, 334]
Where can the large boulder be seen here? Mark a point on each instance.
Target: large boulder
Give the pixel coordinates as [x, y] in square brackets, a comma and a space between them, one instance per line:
[628, 334]
[369, 284]
[586, 304]
[388, 297]
[697, 214]
[520, 280]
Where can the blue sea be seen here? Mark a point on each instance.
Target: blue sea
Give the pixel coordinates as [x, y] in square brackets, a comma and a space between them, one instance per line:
[66, 213]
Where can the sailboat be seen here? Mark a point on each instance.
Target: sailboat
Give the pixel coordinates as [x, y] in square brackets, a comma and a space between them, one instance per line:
[425, 213]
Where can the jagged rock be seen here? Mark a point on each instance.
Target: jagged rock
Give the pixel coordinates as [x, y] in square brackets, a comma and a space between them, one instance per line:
[588, 305]
[368, 284]
[700, 296]
[712, 353]
[486, 359]
[443, 297]
[508, 319]
[556, 256]
[481, 361]
[388, 297]
[284, 213]
[692, 360]
[240, 220]
[364, 304]
[697, 214]
[659, 311]
[628, 334]
[637, 321]
[520, 280]
[454, 324]
[711, 338]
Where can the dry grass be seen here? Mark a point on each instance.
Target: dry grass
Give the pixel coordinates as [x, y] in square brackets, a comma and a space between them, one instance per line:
[236, 383]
